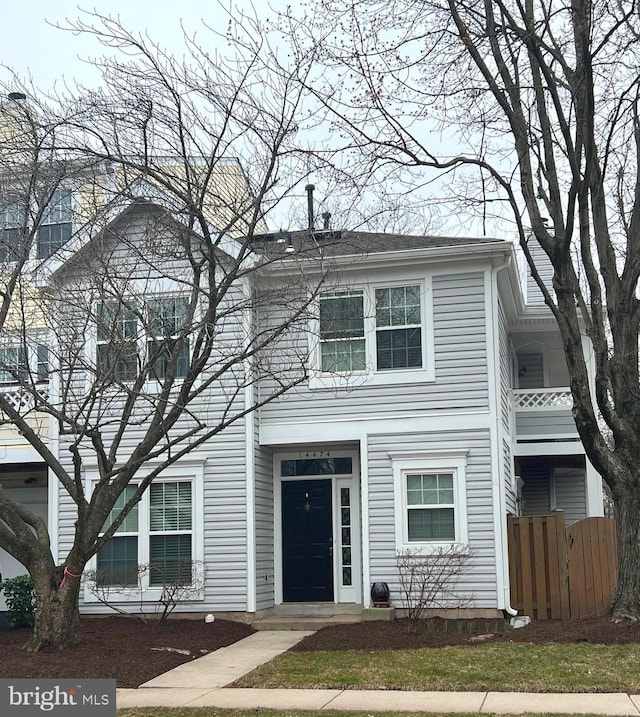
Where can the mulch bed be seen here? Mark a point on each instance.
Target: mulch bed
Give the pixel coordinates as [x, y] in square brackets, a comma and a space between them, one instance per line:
[121, 648]
[118, 647]
[438, 632]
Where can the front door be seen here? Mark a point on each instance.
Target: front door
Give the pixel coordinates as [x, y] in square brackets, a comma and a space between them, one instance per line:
[307, 540]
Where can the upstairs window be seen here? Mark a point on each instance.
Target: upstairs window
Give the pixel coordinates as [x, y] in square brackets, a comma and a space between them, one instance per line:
[14, 364]
[13, 221]
[24, 364]
[55, 227]
[167, 317]
[117, 341]
[398, 328]
[342, 341]
[123, 340]
[375, 330]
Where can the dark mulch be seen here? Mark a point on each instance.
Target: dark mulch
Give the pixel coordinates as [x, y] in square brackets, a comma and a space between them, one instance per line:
[120, 647]
[437, 632]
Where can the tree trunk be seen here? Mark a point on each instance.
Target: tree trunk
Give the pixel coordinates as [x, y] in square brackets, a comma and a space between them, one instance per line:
[57, 618]
[625, 601]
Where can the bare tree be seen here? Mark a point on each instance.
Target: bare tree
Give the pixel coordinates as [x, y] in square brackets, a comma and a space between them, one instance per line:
[133, 329]
[536, 106]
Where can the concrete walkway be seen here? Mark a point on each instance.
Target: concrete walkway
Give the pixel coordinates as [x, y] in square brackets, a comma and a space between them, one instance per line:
[201, 683]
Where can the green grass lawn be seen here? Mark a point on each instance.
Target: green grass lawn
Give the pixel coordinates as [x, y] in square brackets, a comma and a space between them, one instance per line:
[518, 667]
[217, 712]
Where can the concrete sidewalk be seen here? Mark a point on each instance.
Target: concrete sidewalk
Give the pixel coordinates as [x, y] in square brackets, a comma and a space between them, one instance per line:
[201, 683]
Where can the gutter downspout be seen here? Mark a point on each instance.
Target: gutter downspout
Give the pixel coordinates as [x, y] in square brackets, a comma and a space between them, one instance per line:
[499, 508]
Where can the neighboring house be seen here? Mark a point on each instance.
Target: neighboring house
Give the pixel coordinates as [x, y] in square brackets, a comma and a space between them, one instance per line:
[436, 404]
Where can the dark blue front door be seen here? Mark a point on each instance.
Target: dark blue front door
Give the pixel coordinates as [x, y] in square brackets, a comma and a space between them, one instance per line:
[307, 558]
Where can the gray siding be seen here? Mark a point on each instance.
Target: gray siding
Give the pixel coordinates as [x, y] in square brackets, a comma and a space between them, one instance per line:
[264, 508]
[479, 583]
[225, 521]
[223, 509]
[545, 270]
[510, 487]
[460, 355]
[536, 499]
[545, 423]
[569, 484]
[506, 383]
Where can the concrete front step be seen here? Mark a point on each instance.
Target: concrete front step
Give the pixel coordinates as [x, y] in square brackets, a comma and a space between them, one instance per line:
[316, 609]
[291, 622]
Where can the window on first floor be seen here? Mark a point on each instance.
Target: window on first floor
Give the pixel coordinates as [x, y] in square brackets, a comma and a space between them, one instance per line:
[156, 534]
[430, 499]
[430, 507]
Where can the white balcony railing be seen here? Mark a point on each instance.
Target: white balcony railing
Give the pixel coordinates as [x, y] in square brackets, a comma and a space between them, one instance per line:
[22, 400]
[540, 399]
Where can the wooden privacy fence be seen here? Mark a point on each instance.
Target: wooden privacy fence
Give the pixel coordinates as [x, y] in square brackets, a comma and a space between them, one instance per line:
[561, 573]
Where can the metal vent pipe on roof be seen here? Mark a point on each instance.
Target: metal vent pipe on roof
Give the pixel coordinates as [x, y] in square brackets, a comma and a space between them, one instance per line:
[326, 218]
[309, 189]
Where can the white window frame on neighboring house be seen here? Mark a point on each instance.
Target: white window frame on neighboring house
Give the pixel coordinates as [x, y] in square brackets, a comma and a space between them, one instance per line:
[349, 352]
[142, 524]
[57, 220]
[431, 464]
[31, 359]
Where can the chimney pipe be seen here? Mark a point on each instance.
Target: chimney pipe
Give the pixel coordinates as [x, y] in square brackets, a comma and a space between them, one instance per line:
[309, 189]
[326, 216]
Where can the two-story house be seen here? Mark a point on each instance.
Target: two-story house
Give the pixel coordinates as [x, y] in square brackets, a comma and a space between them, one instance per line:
[435, 403]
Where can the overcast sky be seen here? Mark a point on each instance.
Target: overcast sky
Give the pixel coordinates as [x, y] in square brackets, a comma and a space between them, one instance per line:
[30, 45]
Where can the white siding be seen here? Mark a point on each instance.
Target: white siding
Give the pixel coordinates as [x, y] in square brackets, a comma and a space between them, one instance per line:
[480, 581]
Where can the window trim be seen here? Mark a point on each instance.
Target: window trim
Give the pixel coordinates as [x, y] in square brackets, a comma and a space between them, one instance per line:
[429, 462]
[193, 473]
[58, 214]
[371, 375]
[143, 335]
[33, 353]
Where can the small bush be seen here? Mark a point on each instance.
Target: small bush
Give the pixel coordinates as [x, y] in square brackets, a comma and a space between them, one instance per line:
[20, 596]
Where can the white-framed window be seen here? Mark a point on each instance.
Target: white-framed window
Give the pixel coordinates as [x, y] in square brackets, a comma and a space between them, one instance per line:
[20, 363]
[430, 499]
[342, 342]
[381, 331]
[121, 337]
[117, 340]
[55, 226]
[161, 534]
[12, 216]
[398, 327]
[167, 317]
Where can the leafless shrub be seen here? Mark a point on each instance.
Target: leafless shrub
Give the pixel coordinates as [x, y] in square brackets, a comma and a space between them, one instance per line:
[180, 584]
[430, 581]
